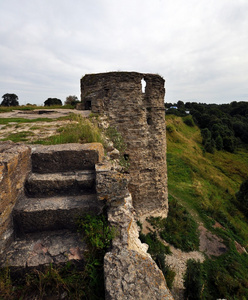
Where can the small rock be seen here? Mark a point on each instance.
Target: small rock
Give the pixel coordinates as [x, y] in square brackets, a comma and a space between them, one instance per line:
[115, 154]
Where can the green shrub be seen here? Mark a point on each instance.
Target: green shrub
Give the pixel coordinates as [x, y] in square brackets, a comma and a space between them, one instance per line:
[170, 128]
[193, 282]
[188, 120]
[169, 274]
[155, 246]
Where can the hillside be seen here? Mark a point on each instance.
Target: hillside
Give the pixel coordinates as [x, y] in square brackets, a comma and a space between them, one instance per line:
[205, 184]
[204, 221]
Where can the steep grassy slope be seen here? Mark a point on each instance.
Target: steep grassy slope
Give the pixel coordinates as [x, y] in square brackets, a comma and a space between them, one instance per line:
[205, 184]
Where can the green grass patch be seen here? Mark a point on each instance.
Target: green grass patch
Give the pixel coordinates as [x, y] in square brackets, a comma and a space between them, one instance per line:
[222, 277]
[4, 121]
[119, 144]
[179, 228]
[81, 132]
[19, 136]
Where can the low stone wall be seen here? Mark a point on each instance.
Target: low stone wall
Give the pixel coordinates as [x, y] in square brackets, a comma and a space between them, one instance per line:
[14, 167]
[130, 272]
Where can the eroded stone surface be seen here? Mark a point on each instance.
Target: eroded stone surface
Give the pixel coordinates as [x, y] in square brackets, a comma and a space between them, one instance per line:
[44, 248]
[140, 118]
[66, 183]
[133, 276]
[38, 214]
[66, 157]
[14, 167]
[130, 272]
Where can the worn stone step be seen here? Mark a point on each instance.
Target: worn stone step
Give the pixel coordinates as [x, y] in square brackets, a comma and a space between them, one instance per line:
[66, 183]
[53, 213]
[44, 248]
[66, 157]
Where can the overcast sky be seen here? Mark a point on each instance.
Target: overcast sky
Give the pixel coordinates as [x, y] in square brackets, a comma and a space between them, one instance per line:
[200, 47]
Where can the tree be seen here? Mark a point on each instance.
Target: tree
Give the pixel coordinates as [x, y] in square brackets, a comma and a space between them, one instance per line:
[219, 143]
[10, 100]
[71, 100]
[242, 196]
[52, 101]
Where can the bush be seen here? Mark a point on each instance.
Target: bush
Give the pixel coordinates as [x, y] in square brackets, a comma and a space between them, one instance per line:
[170, 128]
[193, 280]
[242, 197]
[188, 120]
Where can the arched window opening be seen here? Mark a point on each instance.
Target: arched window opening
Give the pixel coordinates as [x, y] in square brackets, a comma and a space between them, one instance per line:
[143, 85]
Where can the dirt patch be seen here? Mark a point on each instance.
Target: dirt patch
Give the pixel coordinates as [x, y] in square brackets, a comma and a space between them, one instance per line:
[210, 243]
[177, 261]
[43, 113]
[37, 130]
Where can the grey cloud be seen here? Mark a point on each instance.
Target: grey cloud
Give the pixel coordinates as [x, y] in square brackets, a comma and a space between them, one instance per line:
[199, 47]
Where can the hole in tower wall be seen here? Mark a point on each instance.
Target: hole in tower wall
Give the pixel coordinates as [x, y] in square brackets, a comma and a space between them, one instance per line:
[143, 85]
[149, 121]
[126, 156]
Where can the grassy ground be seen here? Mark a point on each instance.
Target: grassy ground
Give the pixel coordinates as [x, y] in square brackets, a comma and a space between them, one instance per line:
[205, 184]
[31, 107]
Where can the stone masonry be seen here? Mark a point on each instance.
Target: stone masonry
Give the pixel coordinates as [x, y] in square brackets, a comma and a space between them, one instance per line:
[140, 117]
[14, 168]
[59, 187]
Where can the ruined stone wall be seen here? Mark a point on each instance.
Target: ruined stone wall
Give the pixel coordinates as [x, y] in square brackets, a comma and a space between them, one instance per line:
[129, 271]
[14, 167]
[140, 118]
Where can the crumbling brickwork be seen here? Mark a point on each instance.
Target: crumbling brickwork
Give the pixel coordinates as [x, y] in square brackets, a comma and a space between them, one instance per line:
[140, 117]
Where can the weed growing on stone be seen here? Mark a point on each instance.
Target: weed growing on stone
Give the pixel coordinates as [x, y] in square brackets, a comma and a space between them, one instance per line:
[120, 145]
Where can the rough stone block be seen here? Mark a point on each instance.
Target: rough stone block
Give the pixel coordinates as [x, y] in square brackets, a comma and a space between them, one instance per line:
[14, 167]
[66, 157]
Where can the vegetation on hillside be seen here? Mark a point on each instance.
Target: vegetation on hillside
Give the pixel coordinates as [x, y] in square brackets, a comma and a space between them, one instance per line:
[206, 185]
[223, 127]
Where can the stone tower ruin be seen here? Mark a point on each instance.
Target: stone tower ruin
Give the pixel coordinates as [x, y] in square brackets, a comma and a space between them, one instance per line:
[139, 115]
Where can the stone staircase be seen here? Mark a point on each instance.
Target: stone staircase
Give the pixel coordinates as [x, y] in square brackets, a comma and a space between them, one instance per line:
[59, 189]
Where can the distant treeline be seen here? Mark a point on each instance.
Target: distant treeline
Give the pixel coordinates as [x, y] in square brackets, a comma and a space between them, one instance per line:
[223, 126]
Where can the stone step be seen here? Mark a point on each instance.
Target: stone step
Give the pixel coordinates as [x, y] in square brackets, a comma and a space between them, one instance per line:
[66, 157]
[43, 248]
[53, 213]
[66, 183]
